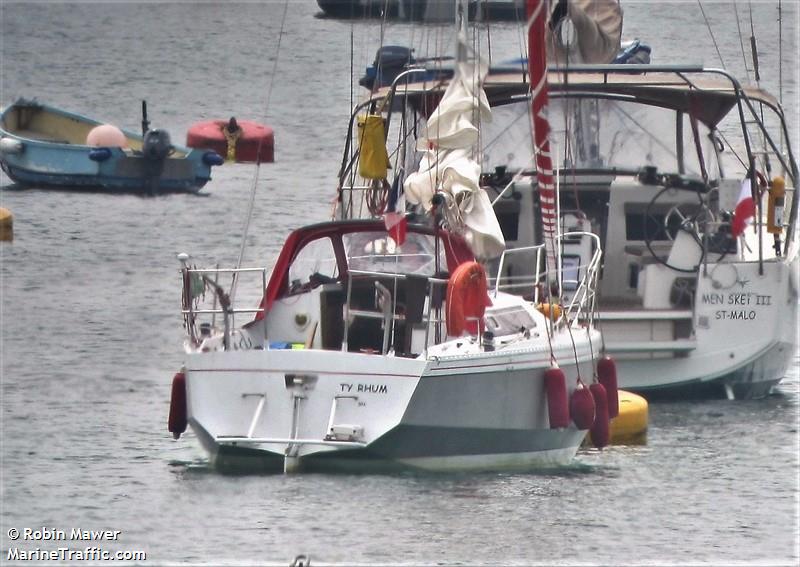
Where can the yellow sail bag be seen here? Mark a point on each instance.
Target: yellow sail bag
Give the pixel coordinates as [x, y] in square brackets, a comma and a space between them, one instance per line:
[374, 159]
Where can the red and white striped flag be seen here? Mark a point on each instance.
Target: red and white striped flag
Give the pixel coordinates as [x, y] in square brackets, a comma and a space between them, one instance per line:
[745, 209]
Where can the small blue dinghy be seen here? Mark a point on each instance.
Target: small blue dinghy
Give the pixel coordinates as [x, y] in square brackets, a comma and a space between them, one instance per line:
[45, 146]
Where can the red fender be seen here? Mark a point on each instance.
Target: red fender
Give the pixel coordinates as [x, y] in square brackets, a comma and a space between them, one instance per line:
[555, 384]
[607, 376]
[600, 432]
[177, 406]
[581, 407]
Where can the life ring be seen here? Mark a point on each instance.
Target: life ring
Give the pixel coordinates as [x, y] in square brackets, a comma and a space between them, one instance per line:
[467, 299]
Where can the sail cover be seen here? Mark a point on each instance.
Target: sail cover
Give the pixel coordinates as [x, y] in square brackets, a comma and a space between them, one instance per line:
[449, 165]
[584, 31]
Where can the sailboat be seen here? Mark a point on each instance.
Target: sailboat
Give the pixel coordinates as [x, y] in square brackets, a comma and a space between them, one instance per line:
[378, 342]
[687, 176]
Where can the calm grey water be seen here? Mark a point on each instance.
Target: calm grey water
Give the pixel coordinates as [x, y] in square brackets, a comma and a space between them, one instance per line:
[91, 332]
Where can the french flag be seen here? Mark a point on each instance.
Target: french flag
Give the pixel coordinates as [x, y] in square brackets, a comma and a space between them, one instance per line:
[745, 209]
[395, 217]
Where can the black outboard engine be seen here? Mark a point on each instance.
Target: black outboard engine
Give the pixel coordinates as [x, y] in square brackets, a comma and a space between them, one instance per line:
[156, 148]
[390, 61]
[157, 145]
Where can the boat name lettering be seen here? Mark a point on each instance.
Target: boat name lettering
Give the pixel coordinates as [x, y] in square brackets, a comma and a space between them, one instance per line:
[365, 388]
[738, 314]
[736, 299]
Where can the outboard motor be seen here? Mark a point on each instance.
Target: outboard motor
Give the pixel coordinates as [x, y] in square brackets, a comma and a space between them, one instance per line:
[390, 61]
[156, 148]
[157, 145]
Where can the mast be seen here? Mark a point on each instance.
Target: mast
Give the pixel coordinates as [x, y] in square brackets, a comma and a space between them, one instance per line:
[537, 72]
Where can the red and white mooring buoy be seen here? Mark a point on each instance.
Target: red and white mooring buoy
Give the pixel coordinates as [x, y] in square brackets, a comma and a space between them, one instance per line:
[235, 140]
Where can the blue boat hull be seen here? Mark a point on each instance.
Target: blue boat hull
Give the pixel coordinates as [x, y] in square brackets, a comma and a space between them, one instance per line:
[68, 168]
[39, 158]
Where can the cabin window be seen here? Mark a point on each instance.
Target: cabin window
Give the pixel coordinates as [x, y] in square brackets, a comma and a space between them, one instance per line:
[571, 271]
[315, 263]
[508, 321]
[378, 252]
[639, 226]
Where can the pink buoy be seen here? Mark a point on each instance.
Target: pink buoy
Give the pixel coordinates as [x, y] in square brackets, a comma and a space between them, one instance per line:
[106, 136]
[607, 376]
[555, 384]
[581, 407]
[601, 429]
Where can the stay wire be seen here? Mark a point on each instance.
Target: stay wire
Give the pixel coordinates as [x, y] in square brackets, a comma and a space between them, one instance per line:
[251, 204]
[711, 33]
[741, 40]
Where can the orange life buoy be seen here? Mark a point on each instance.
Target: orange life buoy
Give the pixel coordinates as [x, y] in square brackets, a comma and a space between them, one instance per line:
[467, 299]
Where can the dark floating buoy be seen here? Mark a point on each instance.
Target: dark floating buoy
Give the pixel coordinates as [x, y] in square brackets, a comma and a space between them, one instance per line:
[607, 376]
[236, 140]
[555, 384]
[600, 431]
[177, 406]
[581, 407]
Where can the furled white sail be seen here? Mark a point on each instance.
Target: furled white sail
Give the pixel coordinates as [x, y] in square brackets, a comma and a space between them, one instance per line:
[449, 166]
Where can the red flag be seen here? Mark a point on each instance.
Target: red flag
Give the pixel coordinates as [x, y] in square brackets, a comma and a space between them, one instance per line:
[745, 210]
[396, 224]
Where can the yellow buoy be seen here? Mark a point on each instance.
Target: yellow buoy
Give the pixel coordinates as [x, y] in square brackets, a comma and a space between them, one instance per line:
[630, 426]
[6, 225]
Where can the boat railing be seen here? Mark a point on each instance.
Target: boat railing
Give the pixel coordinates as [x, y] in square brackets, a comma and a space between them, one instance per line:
[386, 307]
[577, 282]
[205, 298]
[520, 283]
[581, 303]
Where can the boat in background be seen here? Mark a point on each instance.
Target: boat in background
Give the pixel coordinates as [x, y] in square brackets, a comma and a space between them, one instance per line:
[44, 146]
[688, 178]
[424, 10]
[694, 302]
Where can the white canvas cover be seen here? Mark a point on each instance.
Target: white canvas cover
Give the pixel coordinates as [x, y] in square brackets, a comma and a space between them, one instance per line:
[449, 165]
[595, 36]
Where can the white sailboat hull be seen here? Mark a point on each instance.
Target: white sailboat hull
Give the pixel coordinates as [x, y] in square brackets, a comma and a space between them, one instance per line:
[745, 335]
[452, 413]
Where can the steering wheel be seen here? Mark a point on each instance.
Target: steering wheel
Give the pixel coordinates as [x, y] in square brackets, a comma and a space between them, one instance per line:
[679, 218]
[693, 223]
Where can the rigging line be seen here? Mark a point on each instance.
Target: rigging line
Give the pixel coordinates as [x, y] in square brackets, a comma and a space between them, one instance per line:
[753, 47]
[352, 63]
[258, 162]
[741, 40]
[780, 58]
[711, 33]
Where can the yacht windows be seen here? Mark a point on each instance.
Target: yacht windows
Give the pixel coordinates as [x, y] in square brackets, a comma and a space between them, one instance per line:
[600, 133]
[571, 265]
[508, 321]
[378, 252]
[315, 263]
